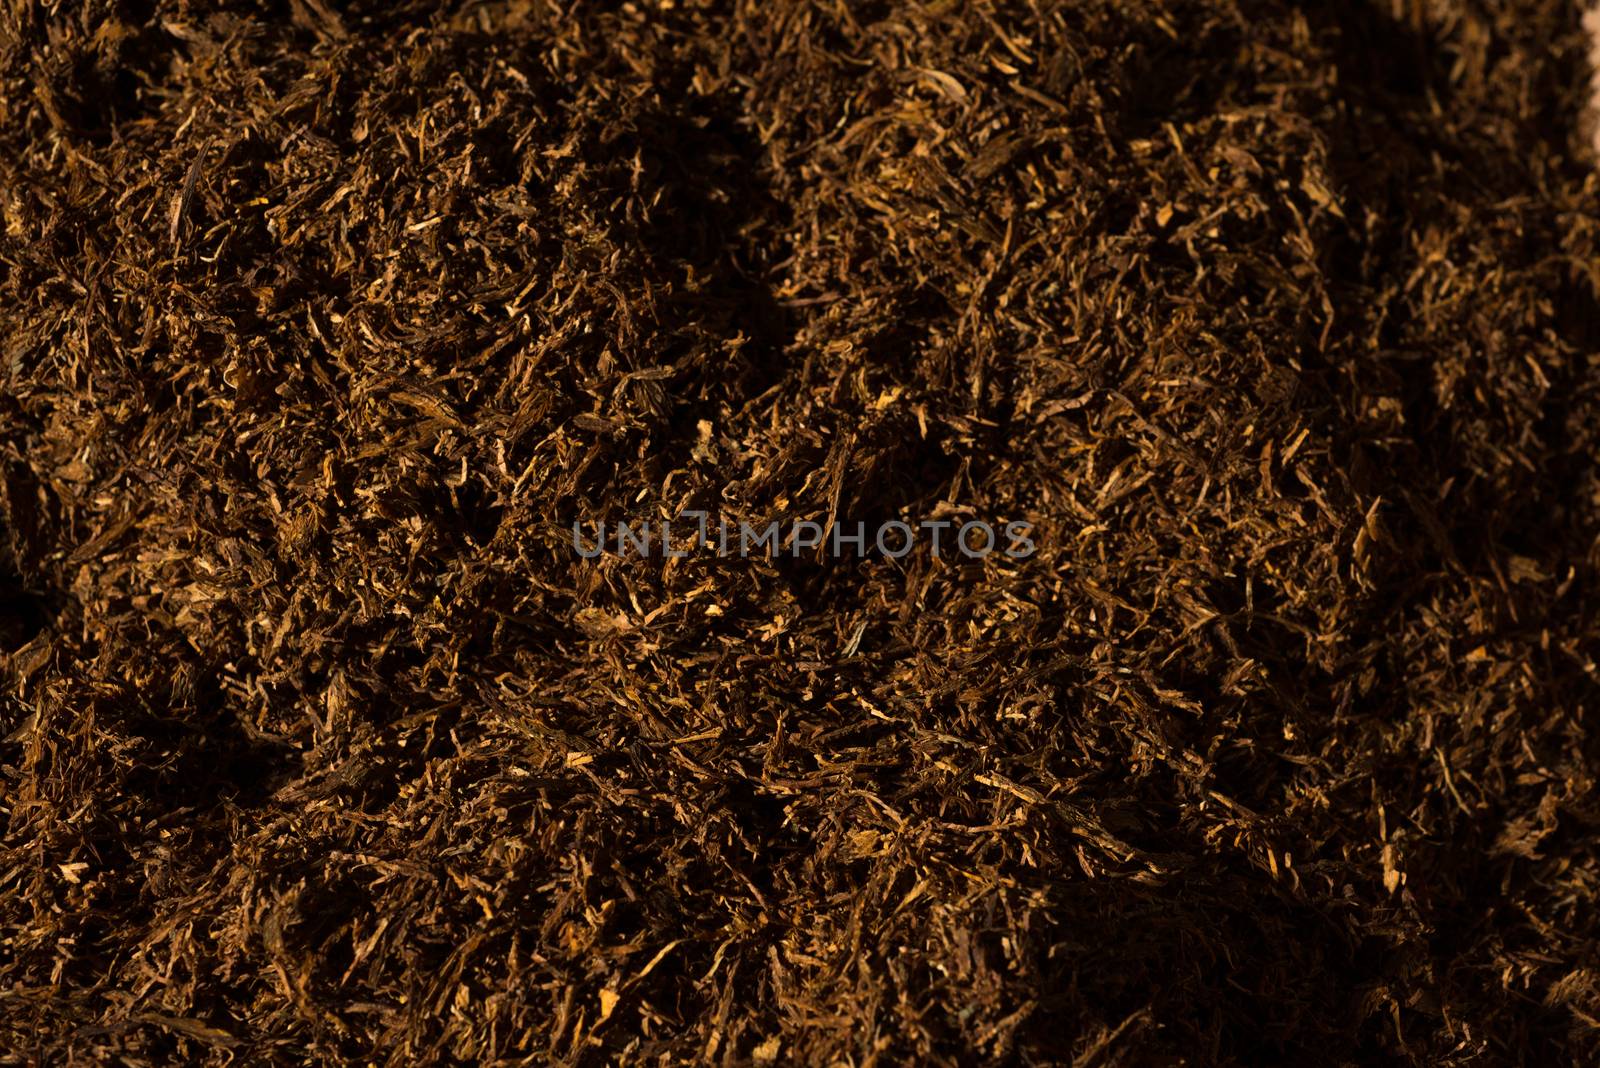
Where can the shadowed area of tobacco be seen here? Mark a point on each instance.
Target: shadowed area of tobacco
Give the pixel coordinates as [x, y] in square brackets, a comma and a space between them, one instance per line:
[321, 324]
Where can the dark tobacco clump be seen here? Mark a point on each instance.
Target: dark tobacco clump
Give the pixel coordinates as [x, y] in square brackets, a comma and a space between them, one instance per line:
[320, 325]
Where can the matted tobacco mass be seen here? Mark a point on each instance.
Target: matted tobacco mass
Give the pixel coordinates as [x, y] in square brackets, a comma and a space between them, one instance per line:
[322, 325]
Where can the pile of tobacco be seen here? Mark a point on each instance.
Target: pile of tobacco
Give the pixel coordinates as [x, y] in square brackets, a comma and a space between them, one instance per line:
[357, 705]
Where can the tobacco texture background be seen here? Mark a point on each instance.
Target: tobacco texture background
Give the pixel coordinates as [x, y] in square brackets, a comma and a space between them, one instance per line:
[320, 324]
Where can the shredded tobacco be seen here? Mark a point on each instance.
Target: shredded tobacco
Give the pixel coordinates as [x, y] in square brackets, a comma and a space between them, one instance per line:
[322, 324]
